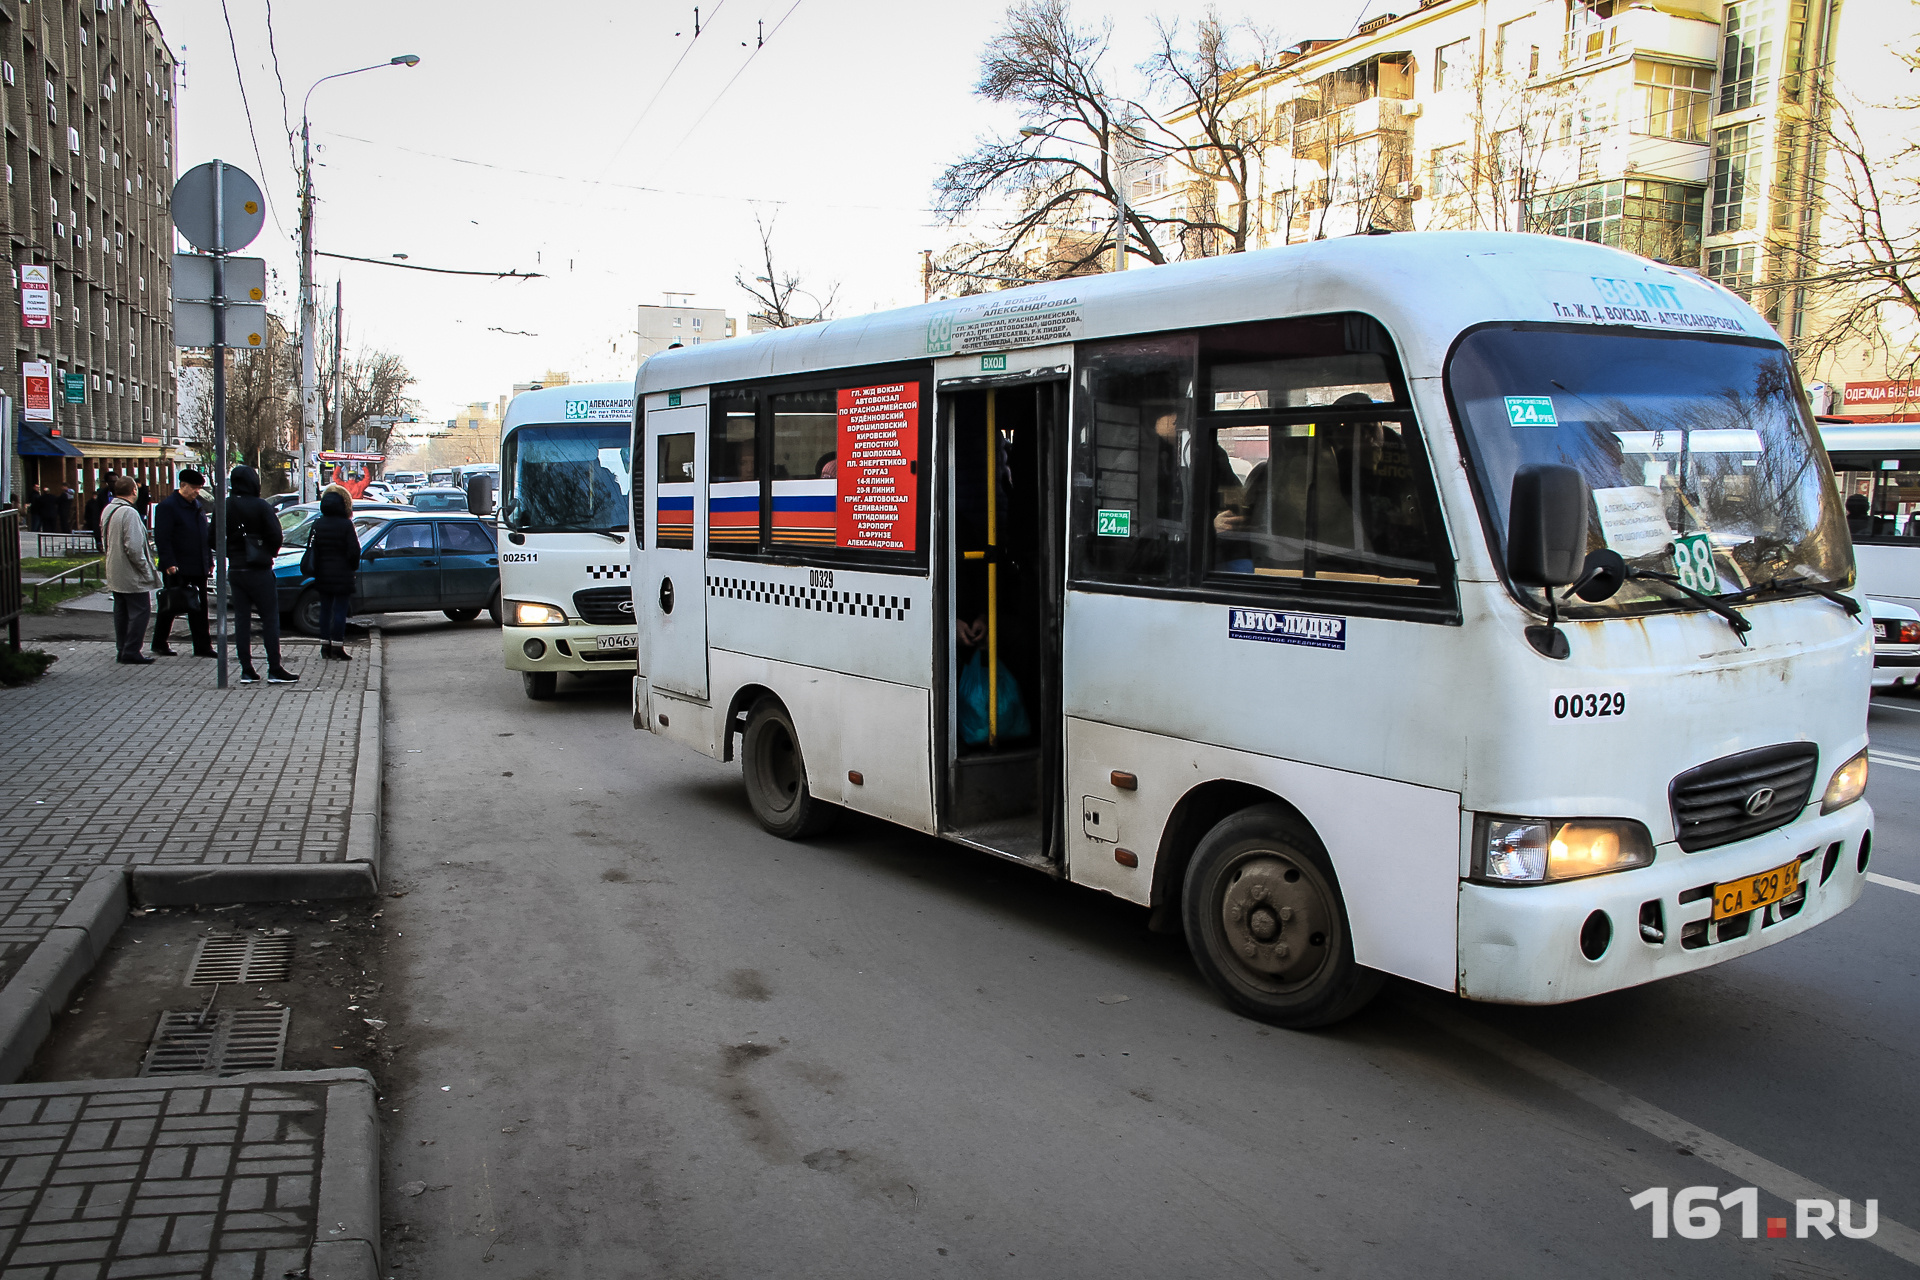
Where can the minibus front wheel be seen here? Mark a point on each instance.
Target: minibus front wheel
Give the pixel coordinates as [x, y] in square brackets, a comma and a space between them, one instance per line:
[776, 775]
[1267, 925]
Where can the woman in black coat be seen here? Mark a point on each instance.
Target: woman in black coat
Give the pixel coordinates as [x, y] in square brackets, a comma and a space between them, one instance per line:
[333, 557]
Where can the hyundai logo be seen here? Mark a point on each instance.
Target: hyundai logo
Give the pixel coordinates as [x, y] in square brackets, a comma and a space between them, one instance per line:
[1759, 802]
[626, 606]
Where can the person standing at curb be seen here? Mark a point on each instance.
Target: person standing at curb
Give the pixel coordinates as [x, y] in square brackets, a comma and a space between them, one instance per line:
[333, 557]
[130, 574]
[183, 537]
[253, 539]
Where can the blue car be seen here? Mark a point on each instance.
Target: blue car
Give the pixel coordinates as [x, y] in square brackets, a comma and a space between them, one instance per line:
[409, 563]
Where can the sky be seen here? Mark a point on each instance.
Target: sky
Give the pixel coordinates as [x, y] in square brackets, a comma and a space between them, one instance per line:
[598, 143]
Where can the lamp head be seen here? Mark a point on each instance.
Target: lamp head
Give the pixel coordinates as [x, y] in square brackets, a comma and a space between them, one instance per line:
[405, 60]
[1031, 132]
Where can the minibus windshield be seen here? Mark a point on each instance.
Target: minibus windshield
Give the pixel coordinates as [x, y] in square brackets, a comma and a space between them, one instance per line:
[576, 476]
[1680, 438]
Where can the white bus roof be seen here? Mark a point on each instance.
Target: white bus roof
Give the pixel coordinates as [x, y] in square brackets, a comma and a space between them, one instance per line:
[573, 402]
[1426, 287]
[1864, 437]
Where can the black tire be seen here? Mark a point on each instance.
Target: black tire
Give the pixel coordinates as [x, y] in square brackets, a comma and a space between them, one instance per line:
[494, 611]
[776, 775]
[462, 615]
[1267, 925]
[539, 684]
[306, 613]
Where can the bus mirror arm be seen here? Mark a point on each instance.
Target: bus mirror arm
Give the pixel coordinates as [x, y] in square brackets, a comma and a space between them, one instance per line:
[1547, 541]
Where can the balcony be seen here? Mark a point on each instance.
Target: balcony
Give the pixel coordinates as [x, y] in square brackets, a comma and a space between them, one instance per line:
[1640, 30]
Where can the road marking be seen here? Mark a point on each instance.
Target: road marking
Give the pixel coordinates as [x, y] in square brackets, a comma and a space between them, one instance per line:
[1901, 1241]
[1897, 755]
[1888, 706]
[1891, 763]
[1907, 886]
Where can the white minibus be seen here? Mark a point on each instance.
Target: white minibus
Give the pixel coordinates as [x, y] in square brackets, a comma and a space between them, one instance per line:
[1468, 607]
[1880, 463]
[564, 508]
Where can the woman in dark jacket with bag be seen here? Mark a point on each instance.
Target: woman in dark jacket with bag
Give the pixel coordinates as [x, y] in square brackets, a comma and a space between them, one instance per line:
[333, 557]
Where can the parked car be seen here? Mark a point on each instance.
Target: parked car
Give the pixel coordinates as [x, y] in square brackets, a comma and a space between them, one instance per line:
[296, 522]
[408, 564]
[438, 499]
[442, 477]
[400, 481]
[281, 501]
[1896, 645]
[380, 491]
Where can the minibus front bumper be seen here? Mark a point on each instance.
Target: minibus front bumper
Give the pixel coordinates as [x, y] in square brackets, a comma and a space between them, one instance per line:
[1523, 944]
[573, 647]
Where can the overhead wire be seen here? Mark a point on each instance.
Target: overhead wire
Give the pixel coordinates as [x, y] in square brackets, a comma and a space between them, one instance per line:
[662, 86]
[286, 108]
[247, 107]
[729, 84]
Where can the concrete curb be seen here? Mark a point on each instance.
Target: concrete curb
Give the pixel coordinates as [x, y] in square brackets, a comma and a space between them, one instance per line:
[59, 963]
[346, 1242]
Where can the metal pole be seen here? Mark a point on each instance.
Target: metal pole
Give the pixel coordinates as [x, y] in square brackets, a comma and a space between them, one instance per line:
[219, 476]
[339, 339]
[1120, 198]
[309, 317]
[993, 573]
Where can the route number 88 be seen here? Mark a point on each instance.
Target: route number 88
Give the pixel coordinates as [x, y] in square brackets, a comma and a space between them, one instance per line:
[1693, 563]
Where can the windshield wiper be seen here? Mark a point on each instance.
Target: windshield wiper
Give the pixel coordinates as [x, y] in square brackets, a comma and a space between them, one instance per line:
[1801, 586]
[569, 528]
[1718, 604]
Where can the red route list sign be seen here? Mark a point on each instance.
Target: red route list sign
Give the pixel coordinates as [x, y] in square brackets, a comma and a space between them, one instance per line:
[877, 489]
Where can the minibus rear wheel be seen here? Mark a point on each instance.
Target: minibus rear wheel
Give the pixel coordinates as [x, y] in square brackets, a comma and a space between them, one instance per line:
[1266, 923]
[776, 775]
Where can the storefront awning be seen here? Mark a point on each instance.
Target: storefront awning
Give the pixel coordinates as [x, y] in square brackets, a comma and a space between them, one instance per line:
[35, 442]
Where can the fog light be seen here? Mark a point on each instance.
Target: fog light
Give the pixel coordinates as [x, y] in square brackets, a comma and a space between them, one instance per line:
[1535, 850]
[535, 648]
[1595, 935]
[1849, 783]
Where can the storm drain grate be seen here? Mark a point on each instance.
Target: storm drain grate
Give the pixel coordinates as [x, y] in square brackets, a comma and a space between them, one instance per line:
[241, 958]
[189, 1043]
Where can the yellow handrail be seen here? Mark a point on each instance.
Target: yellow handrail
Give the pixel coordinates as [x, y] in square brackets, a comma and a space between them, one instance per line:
[993, 574]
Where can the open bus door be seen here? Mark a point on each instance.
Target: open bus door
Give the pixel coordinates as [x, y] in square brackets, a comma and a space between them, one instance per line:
[1004, 528]
[673, 587]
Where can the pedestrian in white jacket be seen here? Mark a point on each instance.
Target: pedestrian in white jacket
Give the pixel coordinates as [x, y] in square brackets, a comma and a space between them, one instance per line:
[131, 575]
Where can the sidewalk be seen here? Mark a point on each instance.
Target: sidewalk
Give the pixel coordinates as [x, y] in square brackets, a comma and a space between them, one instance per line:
[153, 768]
[259, 1176]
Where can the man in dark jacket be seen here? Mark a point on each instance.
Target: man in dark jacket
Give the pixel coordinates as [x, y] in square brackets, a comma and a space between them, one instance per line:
[184, 538]
[253, 538]
[333, 556]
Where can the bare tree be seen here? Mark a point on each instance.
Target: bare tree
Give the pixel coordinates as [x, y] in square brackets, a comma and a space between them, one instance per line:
[783, 303]
[373, 384]
[1067, 169]
[261, 384]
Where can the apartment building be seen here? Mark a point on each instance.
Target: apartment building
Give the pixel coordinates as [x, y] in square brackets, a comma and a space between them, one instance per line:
[657, 328]
[87, 100]
[1680, 130]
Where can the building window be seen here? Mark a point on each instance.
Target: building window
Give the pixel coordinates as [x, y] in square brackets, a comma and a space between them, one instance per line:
[1789, 197]
[1732, 268]
[676, 322]
[1733, 153]
[1451, 63]
[1747, 56]
[696, 322]
[1448, 175]
[1658, 220]
[1676, 98]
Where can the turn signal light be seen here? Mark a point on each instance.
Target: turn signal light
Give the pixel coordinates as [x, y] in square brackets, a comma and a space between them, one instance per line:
[1849, 783]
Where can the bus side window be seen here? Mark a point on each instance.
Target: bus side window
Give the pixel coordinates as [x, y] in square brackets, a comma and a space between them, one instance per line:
[1133, 445]
[675, 476]
[734, 498]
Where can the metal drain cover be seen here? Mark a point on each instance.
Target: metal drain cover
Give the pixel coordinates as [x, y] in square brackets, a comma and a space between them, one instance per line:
[229, 1042]
[241, 958]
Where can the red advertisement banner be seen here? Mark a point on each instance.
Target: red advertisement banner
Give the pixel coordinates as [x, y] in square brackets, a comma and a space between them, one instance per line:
[878, 488]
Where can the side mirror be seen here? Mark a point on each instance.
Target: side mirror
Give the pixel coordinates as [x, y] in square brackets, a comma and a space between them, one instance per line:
[371, 553]
[1547, 525]
[480, 495]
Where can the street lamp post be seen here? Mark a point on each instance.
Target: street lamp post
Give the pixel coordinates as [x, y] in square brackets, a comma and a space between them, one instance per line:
[309, 307]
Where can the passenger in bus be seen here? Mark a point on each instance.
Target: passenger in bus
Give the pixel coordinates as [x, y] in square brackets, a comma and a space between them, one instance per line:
[1860, 521]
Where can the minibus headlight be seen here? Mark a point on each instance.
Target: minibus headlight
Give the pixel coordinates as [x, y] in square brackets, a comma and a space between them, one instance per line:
[1849, 783]
[531, 613]
[1536, 850]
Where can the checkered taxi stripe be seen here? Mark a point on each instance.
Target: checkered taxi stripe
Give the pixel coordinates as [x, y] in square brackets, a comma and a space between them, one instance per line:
[863, 604]
[607, 571]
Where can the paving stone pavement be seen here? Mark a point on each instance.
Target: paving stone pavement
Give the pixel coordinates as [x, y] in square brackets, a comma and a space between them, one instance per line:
[108, 764]
[194, 1176]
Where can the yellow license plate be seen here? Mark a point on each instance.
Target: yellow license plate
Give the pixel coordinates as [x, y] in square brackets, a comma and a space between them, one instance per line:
[1737, 897]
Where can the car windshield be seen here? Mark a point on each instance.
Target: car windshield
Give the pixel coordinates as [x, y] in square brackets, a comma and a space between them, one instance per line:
[451, 501]
[575, 476]
[1700, 452]
[296, 525]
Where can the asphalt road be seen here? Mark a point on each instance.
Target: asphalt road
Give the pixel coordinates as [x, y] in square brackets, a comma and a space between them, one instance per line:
[639, 1037]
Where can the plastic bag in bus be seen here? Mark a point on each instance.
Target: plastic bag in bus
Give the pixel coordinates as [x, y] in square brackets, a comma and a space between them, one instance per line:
[973, 704]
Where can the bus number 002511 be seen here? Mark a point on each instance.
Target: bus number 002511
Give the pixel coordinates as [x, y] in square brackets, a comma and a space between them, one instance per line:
[1589, 704]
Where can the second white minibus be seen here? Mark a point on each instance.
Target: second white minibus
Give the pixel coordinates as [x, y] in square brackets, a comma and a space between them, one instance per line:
[1468, 607]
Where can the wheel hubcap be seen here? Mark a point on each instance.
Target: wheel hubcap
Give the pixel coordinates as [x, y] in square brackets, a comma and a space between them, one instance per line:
[1276, 917]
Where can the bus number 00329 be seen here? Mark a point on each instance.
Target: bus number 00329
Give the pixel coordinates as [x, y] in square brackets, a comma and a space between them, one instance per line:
[1589, 704]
